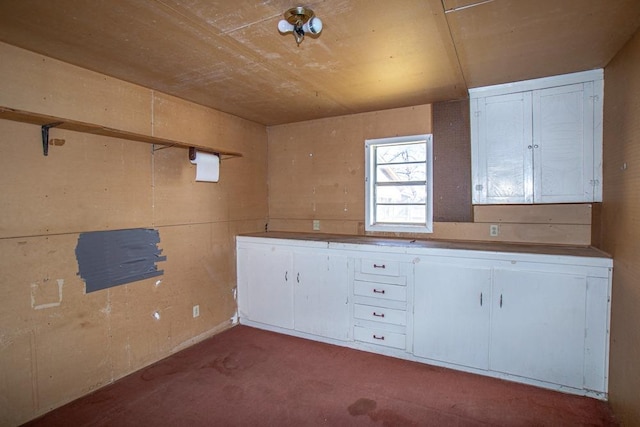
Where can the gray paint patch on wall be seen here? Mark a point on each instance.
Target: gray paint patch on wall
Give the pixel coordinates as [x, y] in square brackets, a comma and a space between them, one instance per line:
[112, 258]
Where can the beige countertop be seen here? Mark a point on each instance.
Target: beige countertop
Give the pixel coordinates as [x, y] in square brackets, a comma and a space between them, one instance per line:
[582, 251]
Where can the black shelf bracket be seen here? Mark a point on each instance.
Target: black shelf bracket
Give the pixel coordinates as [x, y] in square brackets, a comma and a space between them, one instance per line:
[45, 136]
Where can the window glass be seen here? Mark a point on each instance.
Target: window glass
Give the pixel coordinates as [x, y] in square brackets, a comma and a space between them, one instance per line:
[398, 178]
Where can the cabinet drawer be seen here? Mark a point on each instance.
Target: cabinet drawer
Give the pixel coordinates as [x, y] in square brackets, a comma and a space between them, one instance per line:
[380, 290]
[381, 267]
[380, 314]
[379, 337]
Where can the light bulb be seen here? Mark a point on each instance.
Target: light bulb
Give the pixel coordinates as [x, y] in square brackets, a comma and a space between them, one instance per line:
[285, 27]
[313, 26]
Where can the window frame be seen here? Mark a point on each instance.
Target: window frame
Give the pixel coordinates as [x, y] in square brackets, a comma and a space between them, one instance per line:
[370, 173]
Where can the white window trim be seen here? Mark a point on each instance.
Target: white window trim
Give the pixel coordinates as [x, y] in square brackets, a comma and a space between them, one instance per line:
[369, 191]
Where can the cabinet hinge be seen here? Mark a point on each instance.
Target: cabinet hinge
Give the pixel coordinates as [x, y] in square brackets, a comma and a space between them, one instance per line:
[476, 113]
[479, 187]
[594, 182]
[594, 98]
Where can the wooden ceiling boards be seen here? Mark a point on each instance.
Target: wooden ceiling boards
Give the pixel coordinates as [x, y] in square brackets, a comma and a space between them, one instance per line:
[370, 56]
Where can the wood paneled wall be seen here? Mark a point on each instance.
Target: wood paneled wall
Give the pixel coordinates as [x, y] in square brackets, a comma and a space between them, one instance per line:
[316, 172]
[621, 225]
[57, 342]
[316, 168]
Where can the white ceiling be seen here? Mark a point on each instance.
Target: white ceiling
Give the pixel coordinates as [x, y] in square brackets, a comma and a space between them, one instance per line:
[371, 55]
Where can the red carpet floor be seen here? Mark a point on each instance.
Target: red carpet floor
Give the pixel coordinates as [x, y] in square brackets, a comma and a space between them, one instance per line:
[248, 377]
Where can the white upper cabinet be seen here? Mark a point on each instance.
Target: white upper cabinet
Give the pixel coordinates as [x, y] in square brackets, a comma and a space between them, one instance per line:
[538, 141]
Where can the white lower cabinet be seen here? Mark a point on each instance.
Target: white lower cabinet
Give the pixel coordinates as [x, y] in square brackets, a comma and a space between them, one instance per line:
[535, 318]
[452, 308]
[265, 282]
[538, 325]
[321, 295]
[537, 321]
[301, 289]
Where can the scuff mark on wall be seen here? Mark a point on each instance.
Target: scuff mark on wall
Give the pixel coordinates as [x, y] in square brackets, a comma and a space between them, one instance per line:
[46, 295]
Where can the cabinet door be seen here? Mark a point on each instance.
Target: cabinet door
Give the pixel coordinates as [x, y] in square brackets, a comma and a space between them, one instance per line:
[538, 325]
[321, 303]
[269, 285]
[452, 306]
[563, 144]
[502, 157]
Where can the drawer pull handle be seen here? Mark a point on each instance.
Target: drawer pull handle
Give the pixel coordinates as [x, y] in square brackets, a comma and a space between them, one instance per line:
[378, 291]
[379, 266]
[378, 314]
[376, 337]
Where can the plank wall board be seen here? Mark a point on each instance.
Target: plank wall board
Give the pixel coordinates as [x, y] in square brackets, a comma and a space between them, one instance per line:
[175, 188]
[620, 233]
[534, 214]
[548, 234]
[50, 328]
[85, 185]
[58, 348]
[326, 226]
[179, 120]
[47, 86]
[596, 225]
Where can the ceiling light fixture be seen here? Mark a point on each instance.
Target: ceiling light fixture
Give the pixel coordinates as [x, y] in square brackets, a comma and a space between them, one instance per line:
[300, 20]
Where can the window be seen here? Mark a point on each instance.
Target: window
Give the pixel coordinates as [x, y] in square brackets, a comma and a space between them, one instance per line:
[399, 184]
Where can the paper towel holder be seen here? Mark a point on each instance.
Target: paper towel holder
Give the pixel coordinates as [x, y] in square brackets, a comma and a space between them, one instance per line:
[193, 151]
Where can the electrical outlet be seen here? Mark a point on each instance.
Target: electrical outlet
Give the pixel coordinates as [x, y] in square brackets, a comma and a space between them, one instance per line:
[196, 310]
[494, 230]
[316, 224]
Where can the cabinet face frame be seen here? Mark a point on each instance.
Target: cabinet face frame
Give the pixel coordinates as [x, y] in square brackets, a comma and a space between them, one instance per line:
[592, 106]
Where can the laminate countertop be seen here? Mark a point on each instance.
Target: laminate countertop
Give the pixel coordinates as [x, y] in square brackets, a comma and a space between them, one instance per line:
[560, 250]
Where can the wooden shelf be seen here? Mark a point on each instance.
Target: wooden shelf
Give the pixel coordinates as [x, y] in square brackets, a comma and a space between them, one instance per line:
[74, 125]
